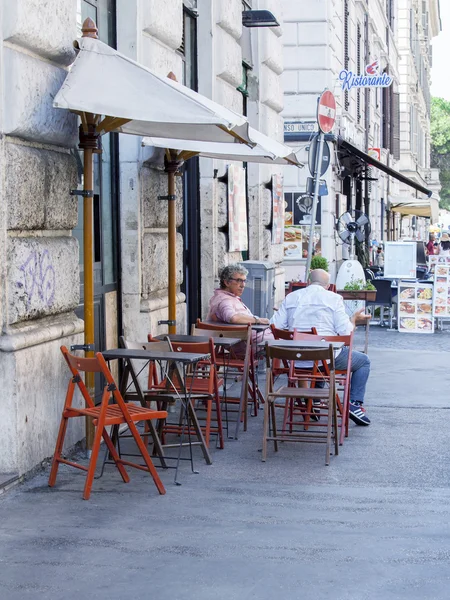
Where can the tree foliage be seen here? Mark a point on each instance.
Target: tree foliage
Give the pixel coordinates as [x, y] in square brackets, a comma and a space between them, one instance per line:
[440, 146]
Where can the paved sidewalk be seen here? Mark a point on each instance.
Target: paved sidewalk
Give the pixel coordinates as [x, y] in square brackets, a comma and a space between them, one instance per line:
[374, 525]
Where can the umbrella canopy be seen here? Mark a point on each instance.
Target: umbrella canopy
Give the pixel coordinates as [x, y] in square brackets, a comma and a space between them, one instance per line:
[266, 150]
[133, 99]
[426, 207]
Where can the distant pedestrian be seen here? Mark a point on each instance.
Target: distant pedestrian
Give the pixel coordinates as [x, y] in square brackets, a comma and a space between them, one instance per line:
[444, 246]
[430, 246]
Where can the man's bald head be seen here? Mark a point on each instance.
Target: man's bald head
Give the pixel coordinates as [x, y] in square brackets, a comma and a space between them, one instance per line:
[319, 277]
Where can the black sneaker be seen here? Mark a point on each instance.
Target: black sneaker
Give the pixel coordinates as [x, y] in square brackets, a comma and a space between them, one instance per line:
[358, 414]
[315, 411]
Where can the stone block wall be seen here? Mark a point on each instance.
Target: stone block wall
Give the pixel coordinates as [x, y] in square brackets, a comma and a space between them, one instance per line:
[40, 277]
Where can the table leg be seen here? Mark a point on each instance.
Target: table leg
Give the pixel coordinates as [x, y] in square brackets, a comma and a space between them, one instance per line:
[151, 425]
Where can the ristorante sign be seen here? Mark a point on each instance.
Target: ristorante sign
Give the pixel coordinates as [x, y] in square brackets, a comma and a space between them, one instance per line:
[371, 78]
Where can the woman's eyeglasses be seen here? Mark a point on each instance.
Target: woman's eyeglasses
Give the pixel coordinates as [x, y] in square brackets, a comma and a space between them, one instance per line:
[241, 281]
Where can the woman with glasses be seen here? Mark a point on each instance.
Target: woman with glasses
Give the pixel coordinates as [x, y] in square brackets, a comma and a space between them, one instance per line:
[226, 305]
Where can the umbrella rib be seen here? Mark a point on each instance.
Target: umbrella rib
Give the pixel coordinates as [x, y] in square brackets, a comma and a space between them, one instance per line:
[110, 123]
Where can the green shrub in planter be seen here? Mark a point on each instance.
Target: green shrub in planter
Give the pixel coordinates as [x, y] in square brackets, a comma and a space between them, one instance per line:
[319, 262]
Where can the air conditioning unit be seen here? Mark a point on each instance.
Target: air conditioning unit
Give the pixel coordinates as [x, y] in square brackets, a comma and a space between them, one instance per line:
[259, 293]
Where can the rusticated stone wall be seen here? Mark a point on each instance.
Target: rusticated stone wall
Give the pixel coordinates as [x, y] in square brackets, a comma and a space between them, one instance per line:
[39, 276]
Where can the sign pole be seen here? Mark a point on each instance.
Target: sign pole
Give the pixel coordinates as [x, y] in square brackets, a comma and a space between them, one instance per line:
[319, 156]
[326, 115]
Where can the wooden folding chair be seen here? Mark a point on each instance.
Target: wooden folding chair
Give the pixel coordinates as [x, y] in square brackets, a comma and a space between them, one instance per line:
[103, 415]
[342, 377]
[284, 334]
[232, 362]
[326, 396]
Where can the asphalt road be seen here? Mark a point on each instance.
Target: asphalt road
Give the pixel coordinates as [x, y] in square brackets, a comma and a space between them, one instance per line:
[374, 525]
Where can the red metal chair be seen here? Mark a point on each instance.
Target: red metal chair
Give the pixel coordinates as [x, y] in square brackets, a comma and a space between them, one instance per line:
[343, 377]
[103, 415]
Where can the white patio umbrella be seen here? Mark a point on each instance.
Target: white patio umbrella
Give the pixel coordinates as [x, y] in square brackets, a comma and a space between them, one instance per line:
[266, 150]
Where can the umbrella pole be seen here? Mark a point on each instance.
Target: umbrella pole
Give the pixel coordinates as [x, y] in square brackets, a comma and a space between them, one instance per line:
[172, 240]
[89, 145]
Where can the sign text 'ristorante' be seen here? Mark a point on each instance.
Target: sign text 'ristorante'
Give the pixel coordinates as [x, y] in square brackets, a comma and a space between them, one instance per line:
[371, 78]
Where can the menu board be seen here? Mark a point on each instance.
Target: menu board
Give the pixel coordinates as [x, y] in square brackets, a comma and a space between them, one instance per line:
[415, 307]
[433, 260]
[297, 225]
[441, 296]
[400, 259]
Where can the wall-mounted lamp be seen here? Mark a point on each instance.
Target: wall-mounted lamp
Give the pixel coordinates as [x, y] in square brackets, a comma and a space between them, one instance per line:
[259, 18]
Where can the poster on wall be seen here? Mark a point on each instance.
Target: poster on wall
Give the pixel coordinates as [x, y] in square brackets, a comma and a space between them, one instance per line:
[237, 210]
[415, 307]
[441, 292]
[277, 210]
[297, 222]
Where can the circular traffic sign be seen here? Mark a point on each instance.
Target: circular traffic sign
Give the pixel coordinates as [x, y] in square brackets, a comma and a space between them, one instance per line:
[326, 156]
[326, 111]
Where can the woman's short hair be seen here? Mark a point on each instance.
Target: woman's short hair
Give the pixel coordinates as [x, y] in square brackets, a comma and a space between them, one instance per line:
[229, 272]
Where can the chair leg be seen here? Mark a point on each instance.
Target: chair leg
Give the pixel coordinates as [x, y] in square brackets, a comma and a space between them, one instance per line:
[208, 421]
[146, 457]
[275, 441]
[94, 456]
[115, 456]
[336, 430]
[58, 450]
[329, 424]
[265, 429]
[219, 418]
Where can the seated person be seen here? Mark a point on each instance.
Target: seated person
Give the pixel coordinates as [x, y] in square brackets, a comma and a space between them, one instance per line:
[315, 306]
[226, 305]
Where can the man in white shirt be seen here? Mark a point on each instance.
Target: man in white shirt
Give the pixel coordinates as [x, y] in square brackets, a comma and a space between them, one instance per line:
[315, 306]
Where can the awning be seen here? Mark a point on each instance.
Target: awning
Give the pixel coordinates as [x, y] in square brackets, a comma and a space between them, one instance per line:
[373, 162]
[266, 150]
[426, 207]
[133, 99]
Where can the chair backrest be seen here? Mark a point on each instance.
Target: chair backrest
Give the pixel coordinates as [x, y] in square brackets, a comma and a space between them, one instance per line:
[384, 292]
[304, 355]
[222, 326]
[285, 334]
[298, 285]
[243, 333]
[195, 347]
[96, 364]
[346, 339]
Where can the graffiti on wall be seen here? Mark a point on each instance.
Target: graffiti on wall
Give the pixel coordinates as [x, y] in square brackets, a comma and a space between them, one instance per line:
[38, 279]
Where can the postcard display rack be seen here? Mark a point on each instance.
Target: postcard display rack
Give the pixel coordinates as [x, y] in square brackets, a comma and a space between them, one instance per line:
[415, 307]
[441, 296]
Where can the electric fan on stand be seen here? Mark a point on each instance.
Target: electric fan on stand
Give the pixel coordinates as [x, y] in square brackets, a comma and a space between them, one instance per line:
[350, 226]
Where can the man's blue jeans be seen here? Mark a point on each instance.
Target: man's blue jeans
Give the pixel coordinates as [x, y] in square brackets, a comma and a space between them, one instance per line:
[360, 372]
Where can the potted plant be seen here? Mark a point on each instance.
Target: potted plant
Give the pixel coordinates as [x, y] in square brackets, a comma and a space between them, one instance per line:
[358, 289]
[319, 262]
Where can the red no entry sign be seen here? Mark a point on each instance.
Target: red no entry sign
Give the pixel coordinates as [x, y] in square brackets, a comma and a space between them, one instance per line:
[326, 111]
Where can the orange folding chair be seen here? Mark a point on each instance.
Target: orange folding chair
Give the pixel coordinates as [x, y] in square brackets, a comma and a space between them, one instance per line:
[342, 377]
[203, 385]
[232, 361]
[105, 414]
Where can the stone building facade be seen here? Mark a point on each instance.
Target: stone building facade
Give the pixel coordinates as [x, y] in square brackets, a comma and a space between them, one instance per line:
[203, 43]
[321, 39]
